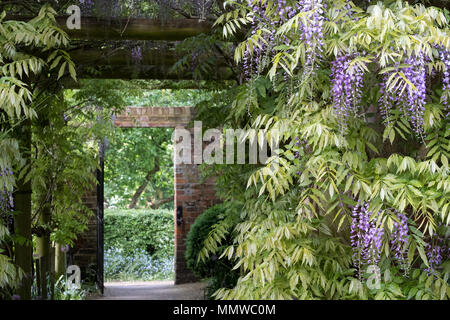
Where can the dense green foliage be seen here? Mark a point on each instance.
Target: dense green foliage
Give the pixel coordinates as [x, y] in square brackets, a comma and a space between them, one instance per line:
[30, 51]
[198, 232]
[293, 236]
[139, 159]
[139, 244]
[294, 240]
[49, 139]
[140, 230]
[169, 97]
[218, 272]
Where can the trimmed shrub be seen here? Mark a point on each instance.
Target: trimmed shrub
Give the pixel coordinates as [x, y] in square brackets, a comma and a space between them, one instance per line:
[195, 238]
[218, 271]
[140, 230]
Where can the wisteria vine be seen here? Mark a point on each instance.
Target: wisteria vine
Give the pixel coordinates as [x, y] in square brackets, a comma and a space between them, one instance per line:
[347, 82]
[6, 198]
[365, 237]
[311, 32]
[444, 55]
[436, 252]
[411, 99]
[399, 242]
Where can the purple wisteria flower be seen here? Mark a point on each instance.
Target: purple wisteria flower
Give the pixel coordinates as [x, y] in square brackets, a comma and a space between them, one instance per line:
[86, 5]
[136, 55]
[388, 99]
[347, 82]
[399, 242]
[437, 252]
[312, 32]
[253, 59]
[444, 55]
[302, 145]
[416, 98]
[269, 18]
[365, 237]
[410, 100]
[6, 198]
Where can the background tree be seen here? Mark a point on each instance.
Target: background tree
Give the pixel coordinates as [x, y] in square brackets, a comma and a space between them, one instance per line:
[139, 164]
[139, 168]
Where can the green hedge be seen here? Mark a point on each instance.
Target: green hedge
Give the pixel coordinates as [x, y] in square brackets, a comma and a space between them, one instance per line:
[218, 271]
[196, 237]
[140, 229]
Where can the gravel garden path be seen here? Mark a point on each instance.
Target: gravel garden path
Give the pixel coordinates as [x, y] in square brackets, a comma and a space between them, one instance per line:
[152, 290]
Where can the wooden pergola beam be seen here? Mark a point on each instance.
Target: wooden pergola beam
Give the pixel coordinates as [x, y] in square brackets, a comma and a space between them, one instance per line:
[156, 72]
[155, 64]
[158, 84]
[93, 28]
[122, 57]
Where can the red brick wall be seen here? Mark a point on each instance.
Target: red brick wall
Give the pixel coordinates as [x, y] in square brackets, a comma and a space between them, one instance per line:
[154, 117]
[194, 197]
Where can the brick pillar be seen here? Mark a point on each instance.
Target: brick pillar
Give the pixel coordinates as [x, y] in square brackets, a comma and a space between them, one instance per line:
[194, 198]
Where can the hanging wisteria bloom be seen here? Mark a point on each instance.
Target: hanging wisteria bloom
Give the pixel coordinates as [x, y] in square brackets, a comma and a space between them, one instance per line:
[437, 252]
[444, 55]
[302, 145]
[347, 83]
[411, 99]
[6, 198]
[399, 242]
[256, 59]
[86, 5]
[388, 99]
[416, 98]
[365, 238]
[136, 54]
[311, 33]
[284, 11]
[260, 20]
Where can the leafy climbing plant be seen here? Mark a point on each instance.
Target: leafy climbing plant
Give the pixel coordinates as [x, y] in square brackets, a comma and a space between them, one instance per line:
[357, 91]
[27, 49]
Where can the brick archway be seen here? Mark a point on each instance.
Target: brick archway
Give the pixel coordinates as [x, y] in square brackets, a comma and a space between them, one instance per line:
[191, 196]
